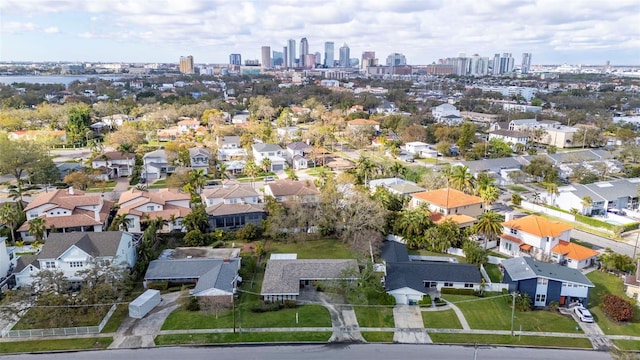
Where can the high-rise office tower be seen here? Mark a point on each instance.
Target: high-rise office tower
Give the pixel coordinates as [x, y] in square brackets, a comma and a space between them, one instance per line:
[291, 56]
[266, 57]
[368, 59]
[186, 64]
[304, 50]
[277, 58]
[507, 62]
[396, 59]
[318, 58]
[526, 63]
[328, 54]
[496, 64]
[344, 56]
[285, 56]
[235, 59]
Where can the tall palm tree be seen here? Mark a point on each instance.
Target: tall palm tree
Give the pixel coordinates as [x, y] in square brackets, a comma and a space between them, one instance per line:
[266, 164]
[552, 190]
[12, 217]
[490, 225]
[197, 180]
[483, 181]
[412, 225]
[397, 169]
[490, 195]
[365, 168]
[586, 203]
[251, 170]
[120, 222]
[18, 191]
[462, 179]
[37, 228]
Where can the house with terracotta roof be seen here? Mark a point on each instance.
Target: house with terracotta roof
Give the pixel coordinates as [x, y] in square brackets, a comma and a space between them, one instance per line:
[187, 124]
[288, 191]
[449, 201]
[58, 135]
[74, 252]
[68, 210]
[359, 124]
[632, 284]
[169, 204]
[544, 239]
[232, 206]
[119, 164]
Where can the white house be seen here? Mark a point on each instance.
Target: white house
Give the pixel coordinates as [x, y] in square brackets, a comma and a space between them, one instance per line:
[116, 120]
[271, 151]
[296, 154]
[199, 159]
[121, 164]
[169, 204]
[156, 165]
[416, 147]
[514, 138]
[441, 111]
[186, 125]
[73, 252]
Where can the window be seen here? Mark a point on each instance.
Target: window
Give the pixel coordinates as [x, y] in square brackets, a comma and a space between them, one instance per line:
[514, 231]
[76, 264]
[149, 207]
[541, 297]
[448, 284]
[430, 284]
[508, 246]
[50, 264]
[542, 281]
[468, 285]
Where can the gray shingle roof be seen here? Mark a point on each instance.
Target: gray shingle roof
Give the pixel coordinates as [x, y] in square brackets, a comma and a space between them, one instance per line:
[413, 274]
[522, 268]
[393, 251]
[96, 244]
[283, 276]
[211, 273]
[262, 147]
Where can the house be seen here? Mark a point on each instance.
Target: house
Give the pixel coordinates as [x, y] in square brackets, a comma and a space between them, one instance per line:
[445, 113]
[230, 149]
[199, 159]
[449, 201]
[68, 210]
[606, 196]
[288, 133]
[232, 206]
[297, 155]
[286, 276]
[76, 251]
[361, 124]
[187, 125]
[58, 136]
[66, 168]
[451, 120]
[544, 239]
[416, 147]
[228, 142]
[116, 120]
[388, 183]
[287, 190]
[514, 138]
[408, 281]
[522, 124]
[168, 204]
[546, 282]
[156, 165]
[212, 277]
[272, 152]
[632, 284]
[229, 193]
[498, 168]
[120, 164]
[7, 259]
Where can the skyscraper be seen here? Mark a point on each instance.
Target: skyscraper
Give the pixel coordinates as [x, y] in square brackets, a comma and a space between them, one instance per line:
[496, 64]
[277, 58]
[318, 58]
[266, 57]
[344, 56]
[526, 63]
[186, 64]
[304, 50]
[368, 59]
[235, 59]
[396, 59]
[291, 56]
[328, 54]
[285, 56]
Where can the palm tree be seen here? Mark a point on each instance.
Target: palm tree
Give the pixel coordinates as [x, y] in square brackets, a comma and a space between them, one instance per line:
[586, 203]
[412, 225]
[397, 169]
[365, 168]
[552, 190]
[197, 180]
[12, 217]
[490, 195]
[266, 164]
[17, 192]
[462, 179]
[37, 228]
[120, 222]
[483, 181]
[490, 225]
[251, 170]
[535, 197]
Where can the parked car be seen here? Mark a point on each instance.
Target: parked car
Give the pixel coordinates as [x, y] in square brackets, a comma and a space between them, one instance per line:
[269, 178]
[583, 314]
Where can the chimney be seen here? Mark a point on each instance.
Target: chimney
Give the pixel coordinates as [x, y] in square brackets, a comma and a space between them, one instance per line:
[508, 216]
[71, 190]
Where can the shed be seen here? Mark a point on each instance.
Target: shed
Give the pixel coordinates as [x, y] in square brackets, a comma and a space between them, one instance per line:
[144, 303]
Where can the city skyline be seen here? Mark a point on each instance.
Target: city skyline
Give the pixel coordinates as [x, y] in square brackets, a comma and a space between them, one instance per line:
[586, 32]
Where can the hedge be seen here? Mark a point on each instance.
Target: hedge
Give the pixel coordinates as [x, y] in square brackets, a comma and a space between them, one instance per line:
[617, 308]
[454, 291]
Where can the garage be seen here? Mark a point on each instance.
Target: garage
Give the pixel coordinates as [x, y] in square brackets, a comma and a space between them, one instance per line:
[277, 167]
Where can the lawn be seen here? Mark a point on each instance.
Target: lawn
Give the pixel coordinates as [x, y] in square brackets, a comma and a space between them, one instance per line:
[308, 316]
[494, 313]
[609, 284]
[45, 318]
[445, 319]
[102, 186]
[158, 184]
[494, 272]
[510, 340]
[374, 316]
[328, 248]
[116, 319]
[54, 345]
[627, 345]
[378, 336]
[517, 188]
[196, 339]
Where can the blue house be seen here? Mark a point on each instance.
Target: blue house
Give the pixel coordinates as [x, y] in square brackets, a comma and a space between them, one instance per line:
[546, 282]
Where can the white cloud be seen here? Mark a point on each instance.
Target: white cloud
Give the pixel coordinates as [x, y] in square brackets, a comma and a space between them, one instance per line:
[16, 27]
[52, 30]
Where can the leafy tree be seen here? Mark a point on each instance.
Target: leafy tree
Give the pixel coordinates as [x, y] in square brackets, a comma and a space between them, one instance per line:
[194, 237]
[467, 136]
[79, 180]
[47, 173]
[523, 302]
[617, 308]
[197, 219]
[18, 157]
[474, 254]
[516, 199]
[78, 123]
[412, 224]
[12, 217]
[360, 222]
[613, 261]
[543, 169]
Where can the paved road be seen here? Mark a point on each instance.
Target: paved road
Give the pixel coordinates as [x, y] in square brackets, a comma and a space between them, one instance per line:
[601, 243]
[324, 352]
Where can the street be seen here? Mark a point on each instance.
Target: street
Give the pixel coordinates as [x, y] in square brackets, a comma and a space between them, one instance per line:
[600, 243]
[323, 352]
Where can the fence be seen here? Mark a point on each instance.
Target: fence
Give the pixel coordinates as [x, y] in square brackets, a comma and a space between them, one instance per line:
[547, 211]
[83, 330]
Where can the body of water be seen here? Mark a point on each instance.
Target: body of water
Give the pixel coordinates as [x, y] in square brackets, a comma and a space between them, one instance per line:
[50, 79]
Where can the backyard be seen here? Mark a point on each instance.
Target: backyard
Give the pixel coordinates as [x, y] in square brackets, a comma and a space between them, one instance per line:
[326, 248]
[609, 284]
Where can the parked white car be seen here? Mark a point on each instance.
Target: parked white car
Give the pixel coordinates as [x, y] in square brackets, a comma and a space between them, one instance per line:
[583, 314]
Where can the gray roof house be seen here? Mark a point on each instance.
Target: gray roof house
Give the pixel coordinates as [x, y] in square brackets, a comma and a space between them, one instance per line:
[408, 281]
[213, 277]
[283, 278]
[605, 196]
[546, 282]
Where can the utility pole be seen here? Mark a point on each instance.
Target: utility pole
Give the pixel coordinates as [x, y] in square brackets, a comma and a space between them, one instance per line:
[636, 247]
[513, 310]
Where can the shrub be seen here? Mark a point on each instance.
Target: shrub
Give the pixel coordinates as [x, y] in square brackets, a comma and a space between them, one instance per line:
[617, 308]
[426, 301]
[290, 304]
[453, 291]
[553, 306]
[266, 307]
[193, 304]
[160, 285]
[386, 299]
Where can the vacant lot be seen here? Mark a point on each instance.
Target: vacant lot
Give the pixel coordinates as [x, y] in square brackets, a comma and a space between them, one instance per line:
[374, 316]
[328, 248]
[46, 318]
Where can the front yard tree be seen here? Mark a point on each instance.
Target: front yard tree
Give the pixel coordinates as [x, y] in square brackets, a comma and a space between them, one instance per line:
[474, 254]
[361, 222]
[489, 225]
[79, 121]
[12, 217]
[37, 228]
[19, 157]
[251, 170]
[79, 179]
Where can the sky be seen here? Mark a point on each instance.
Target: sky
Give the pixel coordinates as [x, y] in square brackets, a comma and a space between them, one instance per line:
[554, 31]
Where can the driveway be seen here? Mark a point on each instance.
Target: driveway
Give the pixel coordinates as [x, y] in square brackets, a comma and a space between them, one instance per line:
[137, 333]
[598, 339]
[409, 325]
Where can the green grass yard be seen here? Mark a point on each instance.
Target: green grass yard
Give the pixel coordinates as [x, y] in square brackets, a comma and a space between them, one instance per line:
[445, 319]
[40, 318]
[491, 339]
[609, 284]
[31, 346]
[217, 338]
[122, 311]
[378, 336]
[374, 316]
[494, 272]
[627, 345]
[494, 313]
[328, 248]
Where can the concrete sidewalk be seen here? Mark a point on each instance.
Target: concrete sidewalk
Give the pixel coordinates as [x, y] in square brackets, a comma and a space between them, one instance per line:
[409, 326]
